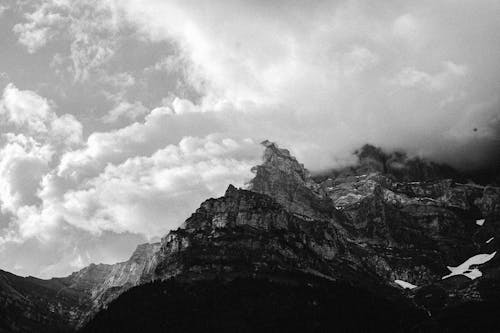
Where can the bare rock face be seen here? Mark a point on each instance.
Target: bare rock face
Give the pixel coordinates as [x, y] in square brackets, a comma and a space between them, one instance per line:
[281, 177]
[248, 234]
[95, 279]
[103, 283]
[414, 229]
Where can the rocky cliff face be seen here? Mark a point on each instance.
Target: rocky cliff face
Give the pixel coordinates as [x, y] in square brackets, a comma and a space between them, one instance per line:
[391, 224]
[285, 180]
[248, 234]
[101, 283]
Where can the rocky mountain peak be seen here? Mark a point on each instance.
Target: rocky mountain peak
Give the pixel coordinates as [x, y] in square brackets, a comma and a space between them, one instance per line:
[281, 159]
[286, 180]
[231, 190]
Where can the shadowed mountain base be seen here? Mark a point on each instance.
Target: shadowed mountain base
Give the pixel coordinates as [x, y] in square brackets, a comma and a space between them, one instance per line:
[252, 305]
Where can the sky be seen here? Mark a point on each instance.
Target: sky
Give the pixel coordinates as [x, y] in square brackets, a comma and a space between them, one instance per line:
[119, 117]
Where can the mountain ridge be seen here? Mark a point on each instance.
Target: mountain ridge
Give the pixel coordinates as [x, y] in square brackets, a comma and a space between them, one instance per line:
[390, 218]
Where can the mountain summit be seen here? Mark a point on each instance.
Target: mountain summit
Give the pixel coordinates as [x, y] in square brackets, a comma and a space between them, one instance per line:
[380, 237]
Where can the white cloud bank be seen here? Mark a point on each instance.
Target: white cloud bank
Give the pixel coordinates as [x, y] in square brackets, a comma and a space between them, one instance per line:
[348, 71]
[338, 73]
[142, 179]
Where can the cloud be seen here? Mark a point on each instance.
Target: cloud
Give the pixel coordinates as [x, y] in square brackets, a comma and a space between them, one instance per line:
[351, 70]
[346, 71]
[170, 63]
[408, 28]
[152, 194]
[42, 25]
[357, 60]
[26, 112]
[139, 181]
[89, 25]
[66, 131]
[33, 135]
[411, 77]
[160, 128]
[125, 110]
[3, 9]
[23, 161]
[25, 108]
[66, 251]
[142, 196]
[33, 138]
[120, 80]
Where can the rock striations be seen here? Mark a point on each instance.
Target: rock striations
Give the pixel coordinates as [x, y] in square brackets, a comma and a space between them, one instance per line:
[385, 224]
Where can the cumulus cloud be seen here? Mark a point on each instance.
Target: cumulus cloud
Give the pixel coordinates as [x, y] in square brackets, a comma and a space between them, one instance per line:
[127, 110]
[23, 161]
[41, 26]
[139, 181]
[24, 111]
[355, 71]
[33, 135]
[152, 194]
[25, 108]
[159, 128]
[90, 25]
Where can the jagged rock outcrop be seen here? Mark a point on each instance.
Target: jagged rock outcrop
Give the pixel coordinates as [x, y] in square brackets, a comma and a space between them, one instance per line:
[281, 177]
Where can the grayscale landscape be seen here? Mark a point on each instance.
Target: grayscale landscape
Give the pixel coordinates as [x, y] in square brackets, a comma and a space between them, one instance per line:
[249, 166]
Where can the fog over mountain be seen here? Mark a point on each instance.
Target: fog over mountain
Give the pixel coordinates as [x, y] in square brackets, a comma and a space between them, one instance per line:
[118, 118]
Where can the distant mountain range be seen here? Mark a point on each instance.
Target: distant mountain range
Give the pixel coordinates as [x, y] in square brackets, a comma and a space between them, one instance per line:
[391, 244]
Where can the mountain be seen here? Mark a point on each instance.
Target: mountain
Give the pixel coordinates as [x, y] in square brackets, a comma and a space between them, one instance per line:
[62, 304]
[34, 305]
[406, 244]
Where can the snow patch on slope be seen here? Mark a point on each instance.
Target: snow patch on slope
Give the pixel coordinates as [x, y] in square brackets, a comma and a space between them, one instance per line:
[405, 285]
[465, 270]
